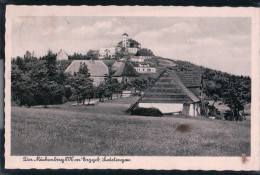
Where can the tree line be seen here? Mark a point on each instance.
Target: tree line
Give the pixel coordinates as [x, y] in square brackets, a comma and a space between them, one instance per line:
[232, 90]
[44, 82]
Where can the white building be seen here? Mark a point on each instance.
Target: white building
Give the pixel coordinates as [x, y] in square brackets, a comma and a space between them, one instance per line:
[97, 69]
[62, 55]
[128, 44]
[137, 59]
[108, 52]
[132, 50]
[144, 68]
[145, 57]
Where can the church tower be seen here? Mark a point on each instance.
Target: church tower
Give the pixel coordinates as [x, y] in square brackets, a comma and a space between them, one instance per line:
[124, 41]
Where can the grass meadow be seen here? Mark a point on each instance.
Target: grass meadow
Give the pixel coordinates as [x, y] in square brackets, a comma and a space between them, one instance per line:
[106, 130]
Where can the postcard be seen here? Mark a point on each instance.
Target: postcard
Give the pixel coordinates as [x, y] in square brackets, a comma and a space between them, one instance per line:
[132, 87]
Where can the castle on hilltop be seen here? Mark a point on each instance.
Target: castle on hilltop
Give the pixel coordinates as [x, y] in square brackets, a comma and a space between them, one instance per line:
[126, 45]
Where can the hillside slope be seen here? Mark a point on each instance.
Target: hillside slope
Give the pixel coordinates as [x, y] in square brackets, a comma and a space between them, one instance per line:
[217, 84]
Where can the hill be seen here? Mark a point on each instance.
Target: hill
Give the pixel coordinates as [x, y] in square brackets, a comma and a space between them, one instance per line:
[217, 84]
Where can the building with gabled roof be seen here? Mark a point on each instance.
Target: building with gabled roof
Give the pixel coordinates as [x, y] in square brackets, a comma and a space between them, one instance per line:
[169, 94]
[107, 53]
[113, 65]
[125, 73]
[62, 55]
[97, 69]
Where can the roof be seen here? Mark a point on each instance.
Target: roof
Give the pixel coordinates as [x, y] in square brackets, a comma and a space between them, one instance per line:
[127, 70]
[125, 34]
[108, 62]
[114, 65]
[111, 50]
[117, 65]
[62, 55]
[168, 88]
[96, 68]
[190, 78]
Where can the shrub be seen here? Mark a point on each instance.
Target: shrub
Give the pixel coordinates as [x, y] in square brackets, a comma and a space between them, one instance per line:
[147, 112]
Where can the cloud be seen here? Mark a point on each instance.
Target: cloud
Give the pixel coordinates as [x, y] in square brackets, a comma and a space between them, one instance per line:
[180, 27]
[207, 41]
[215, 42]
[95, 29]
[53, 30]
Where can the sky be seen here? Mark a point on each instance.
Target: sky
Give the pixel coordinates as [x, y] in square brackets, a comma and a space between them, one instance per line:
[221, 43]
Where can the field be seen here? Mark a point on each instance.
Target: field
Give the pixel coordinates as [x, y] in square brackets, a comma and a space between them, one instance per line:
[106, 130]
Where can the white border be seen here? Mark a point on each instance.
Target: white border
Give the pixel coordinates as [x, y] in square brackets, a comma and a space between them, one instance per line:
[138, 162]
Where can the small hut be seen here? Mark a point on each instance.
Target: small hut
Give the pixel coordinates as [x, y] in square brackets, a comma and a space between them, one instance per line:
[125, 73]
[169, 95]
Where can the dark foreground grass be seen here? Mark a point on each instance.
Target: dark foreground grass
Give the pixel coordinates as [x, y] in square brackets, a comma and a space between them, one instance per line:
[79, 132]
[106, 130]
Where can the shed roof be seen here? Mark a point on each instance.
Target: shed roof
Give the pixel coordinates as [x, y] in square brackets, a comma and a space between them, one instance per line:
[127, 70]
[168, 88]
[190, 78]
[96, 68]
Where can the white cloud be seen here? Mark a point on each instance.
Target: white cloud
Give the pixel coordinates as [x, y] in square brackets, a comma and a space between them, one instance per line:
[208, 42]
[94, 29]
[199, 41]
[180, 27]
[53, 30]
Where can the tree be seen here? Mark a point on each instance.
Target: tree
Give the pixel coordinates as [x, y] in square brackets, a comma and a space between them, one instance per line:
[82, 84]
[36, 82]
[92, 54]
[48, 89]
[51, 64]
[20, 63]
[22, 92]
[68, 92]
[233, 99]
[144, 52]
[100, 89]
[110, 86]
[142, 83]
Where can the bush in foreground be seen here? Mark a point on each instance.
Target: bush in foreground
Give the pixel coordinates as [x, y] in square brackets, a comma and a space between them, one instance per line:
[147, 112]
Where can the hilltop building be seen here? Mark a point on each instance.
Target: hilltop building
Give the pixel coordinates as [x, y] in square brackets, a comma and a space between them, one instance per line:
[128, 45]
[108, 52]
[125, 73]
[97, 69]
[62, 55]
